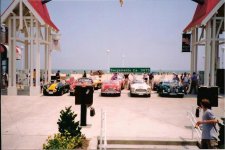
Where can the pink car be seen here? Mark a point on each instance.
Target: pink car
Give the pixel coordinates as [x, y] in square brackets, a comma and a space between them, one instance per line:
[111, 87]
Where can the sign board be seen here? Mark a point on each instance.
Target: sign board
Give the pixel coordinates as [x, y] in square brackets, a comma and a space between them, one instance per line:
[130, 70]
[186, 42]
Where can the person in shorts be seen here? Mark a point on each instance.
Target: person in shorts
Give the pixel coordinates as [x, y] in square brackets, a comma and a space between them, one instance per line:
[209, 131]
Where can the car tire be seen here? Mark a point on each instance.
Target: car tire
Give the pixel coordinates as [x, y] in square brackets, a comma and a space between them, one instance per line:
[119, 94]
[181, 96]
[102, 94]
[131, 95]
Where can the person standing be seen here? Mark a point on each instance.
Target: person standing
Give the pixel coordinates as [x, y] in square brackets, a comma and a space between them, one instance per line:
[209, 131]
[194, 83]
[57, 75]
[185, 83]
[85, 74]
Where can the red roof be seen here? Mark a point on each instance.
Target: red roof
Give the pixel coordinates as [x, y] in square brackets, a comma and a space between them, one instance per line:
[42, 10]
[201, 13]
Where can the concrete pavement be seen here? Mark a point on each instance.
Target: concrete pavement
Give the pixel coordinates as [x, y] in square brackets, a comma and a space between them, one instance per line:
[27, 121]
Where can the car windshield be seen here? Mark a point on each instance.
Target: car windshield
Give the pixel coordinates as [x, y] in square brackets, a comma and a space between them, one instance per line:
[172, 82]
[138, 81]
[87, 80]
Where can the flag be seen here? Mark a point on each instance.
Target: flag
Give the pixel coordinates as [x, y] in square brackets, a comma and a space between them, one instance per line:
[121, 3]
[55, 42]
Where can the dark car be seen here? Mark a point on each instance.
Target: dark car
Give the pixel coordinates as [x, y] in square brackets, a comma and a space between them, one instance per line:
[55, 88]
[170, 88]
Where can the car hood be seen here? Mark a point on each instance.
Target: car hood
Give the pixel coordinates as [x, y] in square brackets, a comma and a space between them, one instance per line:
[140, 85]
[52, 86]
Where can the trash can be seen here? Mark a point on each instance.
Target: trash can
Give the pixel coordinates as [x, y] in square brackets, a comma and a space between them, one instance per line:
[210, 93]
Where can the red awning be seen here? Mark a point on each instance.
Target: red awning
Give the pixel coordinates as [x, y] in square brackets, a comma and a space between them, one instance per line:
[201, 12]
[42, 10]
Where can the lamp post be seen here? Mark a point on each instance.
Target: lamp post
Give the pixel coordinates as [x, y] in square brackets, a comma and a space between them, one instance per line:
[108, 55]
[123, 60]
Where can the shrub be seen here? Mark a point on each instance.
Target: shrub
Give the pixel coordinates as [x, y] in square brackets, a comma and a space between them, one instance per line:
[65, 141]
[70, 136]
[67, 123]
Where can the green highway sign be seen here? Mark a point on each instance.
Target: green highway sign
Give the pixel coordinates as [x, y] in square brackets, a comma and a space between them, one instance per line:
[130, 70]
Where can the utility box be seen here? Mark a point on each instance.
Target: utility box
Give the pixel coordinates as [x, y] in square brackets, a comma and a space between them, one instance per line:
[210, 93]
[84, 95]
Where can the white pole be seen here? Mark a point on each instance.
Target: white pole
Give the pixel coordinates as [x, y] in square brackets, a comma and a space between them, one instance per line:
[38, 56]
[31, 49]
[192, 50]
[14, 52]
[223, 49]
[108, 54]
[10, 51]
[46, 55]
[123, 60]
[207, 53]
[196, 52]
[213, 53]
[21, 15]
[49, 58]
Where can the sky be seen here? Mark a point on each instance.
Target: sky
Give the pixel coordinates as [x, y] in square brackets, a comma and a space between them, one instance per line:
[142, 33]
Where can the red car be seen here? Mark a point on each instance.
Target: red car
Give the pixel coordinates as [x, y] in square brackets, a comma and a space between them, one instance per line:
[111, 87]
[81, 82]
[120, 78]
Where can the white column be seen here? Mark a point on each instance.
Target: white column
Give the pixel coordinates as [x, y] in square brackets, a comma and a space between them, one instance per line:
[222, 57]
[10, 51]
[213, 54]
[192, 50]
[207, 54]
[49, 57]
[32, 88]
[196, 51]
[37, 56]
[12, 90]
[46, 55]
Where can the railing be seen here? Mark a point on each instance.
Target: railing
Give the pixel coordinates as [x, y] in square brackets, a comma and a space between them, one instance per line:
[103, 141]
[193, 127]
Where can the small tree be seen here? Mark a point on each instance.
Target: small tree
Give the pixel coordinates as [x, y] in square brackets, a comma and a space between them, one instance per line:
[67, 123]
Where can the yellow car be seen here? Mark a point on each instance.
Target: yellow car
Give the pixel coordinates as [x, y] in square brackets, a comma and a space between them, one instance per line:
[57, 88]
[97, 83]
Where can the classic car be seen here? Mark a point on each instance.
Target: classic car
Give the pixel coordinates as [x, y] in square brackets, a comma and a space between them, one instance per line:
[120, 78]
[170, 88]
[140, 88]
[97, 82]
[55, 88]
[80, 82]
[111, 87]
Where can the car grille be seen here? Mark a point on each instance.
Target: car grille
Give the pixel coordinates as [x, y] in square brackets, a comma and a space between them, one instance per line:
[140, 90]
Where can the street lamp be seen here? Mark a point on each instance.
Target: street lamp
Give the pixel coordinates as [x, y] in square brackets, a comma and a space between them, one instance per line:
[123, 60]
[108, 55]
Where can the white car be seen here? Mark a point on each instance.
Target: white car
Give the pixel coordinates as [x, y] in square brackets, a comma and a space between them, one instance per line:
[140, 88]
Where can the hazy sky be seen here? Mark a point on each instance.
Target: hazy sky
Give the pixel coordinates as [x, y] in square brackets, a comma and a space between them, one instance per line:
[146, 32]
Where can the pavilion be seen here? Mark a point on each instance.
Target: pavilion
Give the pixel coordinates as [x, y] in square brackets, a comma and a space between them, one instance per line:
[208, 20]
[29, 24]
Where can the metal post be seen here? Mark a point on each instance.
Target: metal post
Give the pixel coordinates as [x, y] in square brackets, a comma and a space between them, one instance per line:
[83, 114]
